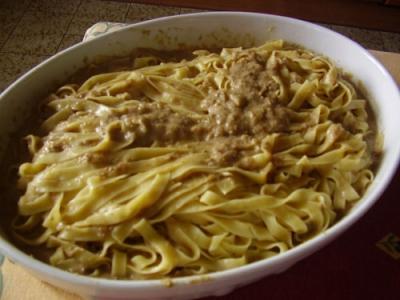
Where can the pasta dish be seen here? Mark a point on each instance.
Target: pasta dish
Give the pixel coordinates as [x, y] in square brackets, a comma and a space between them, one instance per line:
[175, 168]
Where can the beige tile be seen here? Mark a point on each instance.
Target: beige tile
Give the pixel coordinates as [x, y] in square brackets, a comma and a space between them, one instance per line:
[37, 44]
[104, 9]
[8, 21]
[141, 12]
[45, 23]
[14, 65]
[3, 37]
[58, 6]
[346, 31]
[19, 5]
[185, 10]
[391, 41]
[93, 11]
[370, 39]
[70, 40]
[8, 15]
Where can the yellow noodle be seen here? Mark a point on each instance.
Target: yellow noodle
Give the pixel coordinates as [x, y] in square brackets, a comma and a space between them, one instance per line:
[111, 196]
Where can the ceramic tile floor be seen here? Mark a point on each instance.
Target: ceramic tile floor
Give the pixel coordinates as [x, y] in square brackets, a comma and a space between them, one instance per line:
[33, 30]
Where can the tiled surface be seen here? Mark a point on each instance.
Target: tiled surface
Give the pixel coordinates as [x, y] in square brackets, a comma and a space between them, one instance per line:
[11, 12]
[43, 22]
[141, 12]
[92, 11]
[57, 6]
[17, 5]
[32, 30]
[368, 38]
[70, 40]
[41, 44]
[14, 65]
[8, 21]
[185, 10]
[391, 41]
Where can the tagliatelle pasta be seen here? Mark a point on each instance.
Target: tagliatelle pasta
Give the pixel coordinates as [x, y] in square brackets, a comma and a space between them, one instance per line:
[190, 167]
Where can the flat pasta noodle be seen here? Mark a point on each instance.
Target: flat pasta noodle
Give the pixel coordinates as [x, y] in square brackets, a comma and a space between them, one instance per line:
[202, 165]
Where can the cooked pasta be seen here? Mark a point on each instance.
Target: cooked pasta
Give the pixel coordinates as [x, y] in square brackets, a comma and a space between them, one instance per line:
[190, 167]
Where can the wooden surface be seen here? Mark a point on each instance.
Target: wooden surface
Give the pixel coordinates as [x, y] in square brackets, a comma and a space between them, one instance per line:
[20, 285]
[358, 13]
[391, 61]
[393, 2]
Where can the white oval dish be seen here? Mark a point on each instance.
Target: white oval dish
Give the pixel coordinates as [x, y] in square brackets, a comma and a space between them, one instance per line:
[223, 29]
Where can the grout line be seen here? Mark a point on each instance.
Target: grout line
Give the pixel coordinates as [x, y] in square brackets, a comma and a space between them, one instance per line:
[16, 24]
[127, 12]
[67, 27]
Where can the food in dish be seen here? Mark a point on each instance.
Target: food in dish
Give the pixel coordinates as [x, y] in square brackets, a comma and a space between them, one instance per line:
[196, 166]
